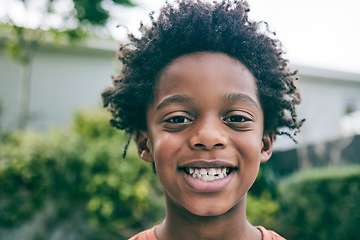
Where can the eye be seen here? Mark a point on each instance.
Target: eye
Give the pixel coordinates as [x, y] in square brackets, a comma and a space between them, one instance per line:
[236, 119]
[239, 121]
[176, 123]
[178, 120]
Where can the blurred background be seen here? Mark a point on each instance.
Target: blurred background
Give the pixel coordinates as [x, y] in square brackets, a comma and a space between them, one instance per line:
[62, 175]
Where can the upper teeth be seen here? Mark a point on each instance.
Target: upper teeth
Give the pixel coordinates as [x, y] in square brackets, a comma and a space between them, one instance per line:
[208, 174]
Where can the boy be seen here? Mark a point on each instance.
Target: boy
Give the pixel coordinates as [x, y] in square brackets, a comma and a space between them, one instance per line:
[204, 92]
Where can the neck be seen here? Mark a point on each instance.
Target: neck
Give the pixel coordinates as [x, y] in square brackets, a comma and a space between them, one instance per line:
[182, 224]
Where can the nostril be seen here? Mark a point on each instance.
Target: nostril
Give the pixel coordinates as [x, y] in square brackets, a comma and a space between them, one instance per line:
[199, 145]
[204, 146]
[219, 145]
[208, 139]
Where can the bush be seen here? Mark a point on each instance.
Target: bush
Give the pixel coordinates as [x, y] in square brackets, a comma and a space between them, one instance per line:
[261, 205]
[76, 180]
[321, 204]
[262, 210]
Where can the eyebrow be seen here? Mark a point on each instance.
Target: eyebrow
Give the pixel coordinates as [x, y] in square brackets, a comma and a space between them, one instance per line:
[184, 98]
[241, 97]
[172, 99]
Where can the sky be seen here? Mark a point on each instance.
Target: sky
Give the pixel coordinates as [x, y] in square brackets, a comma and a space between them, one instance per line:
[317, 33]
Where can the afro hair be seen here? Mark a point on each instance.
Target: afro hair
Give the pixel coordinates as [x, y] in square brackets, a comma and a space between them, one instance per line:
[186, 27]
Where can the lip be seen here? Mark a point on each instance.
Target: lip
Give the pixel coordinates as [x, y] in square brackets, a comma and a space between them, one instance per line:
[207, 164]
[213, 186]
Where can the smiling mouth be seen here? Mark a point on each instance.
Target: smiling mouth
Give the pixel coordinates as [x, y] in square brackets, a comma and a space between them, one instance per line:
[208, 174]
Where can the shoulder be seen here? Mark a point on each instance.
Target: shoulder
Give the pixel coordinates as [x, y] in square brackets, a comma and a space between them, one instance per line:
[145, 235]
[269, 235]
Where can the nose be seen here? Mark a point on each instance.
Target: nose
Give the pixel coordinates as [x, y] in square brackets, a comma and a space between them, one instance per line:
[208, 134]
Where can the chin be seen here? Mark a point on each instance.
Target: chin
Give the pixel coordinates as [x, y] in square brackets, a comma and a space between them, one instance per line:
[208, 212]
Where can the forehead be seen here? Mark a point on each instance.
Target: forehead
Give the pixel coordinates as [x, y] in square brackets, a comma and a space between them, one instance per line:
[206, 60]
[206, 72]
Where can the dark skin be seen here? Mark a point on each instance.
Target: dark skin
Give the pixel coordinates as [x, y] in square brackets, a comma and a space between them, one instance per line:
[184, 225]
[205, 115]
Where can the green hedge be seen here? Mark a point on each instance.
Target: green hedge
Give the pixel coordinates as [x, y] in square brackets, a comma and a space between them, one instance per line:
[79, 174]
[262, 210]
[321, 204]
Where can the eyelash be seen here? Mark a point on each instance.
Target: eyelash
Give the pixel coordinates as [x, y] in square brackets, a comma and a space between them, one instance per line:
[185, 120]
[173, 120]
[238, 117]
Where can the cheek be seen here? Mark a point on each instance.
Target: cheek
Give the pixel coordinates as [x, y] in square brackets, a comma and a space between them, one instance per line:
[166, 147]
[249, 147]
[165, 153]
[247, 140]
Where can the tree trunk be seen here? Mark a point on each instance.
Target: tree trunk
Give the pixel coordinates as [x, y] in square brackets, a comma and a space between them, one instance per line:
[24, 95]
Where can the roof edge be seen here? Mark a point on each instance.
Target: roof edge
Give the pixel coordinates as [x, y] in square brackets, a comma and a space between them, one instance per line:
[326, 73]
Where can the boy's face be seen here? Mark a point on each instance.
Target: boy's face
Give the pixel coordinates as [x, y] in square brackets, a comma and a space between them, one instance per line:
[206, 118]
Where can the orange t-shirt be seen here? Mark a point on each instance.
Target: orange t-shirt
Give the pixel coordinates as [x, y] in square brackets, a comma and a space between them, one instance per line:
[150, 234]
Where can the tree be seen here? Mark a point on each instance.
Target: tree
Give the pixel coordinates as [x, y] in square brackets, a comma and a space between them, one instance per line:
[75, 21]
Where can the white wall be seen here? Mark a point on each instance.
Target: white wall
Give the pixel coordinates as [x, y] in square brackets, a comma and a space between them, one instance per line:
[326, 95]
[63, 80]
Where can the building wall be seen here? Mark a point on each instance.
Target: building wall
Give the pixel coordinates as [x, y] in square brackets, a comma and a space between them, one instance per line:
[326, 97]
[325, 104]
[62, 80]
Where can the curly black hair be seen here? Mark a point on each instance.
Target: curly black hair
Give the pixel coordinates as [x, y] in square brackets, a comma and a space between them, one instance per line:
[186, 27]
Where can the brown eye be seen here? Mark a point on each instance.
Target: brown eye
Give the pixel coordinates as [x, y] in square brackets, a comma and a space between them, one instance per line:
[178, 119]
[236, 119]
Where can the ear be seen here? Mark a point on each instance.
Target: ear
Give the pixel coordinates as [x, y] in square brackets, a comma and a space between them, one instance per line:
[143, 146]
[266, 147]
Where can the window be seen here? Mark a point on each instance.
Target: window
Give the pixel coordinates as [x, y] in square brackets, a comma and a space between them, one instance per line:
[350, 122]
